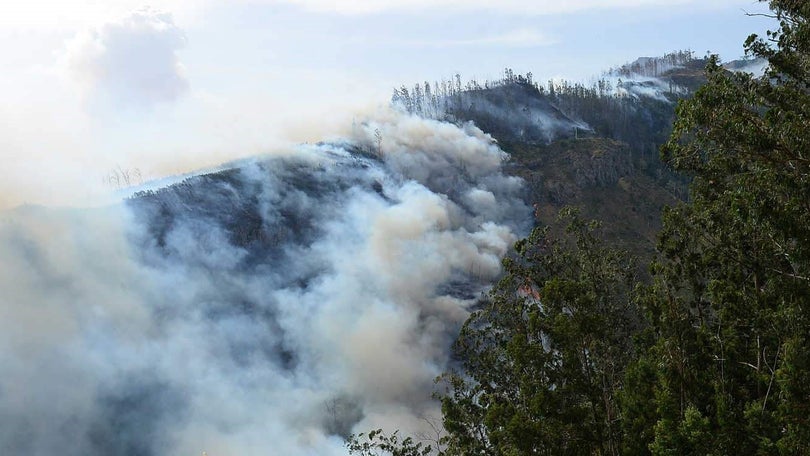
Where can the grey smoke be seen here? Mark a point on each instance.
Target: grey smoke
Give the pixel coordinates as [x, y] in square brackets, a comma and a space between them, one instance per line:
[271, 308]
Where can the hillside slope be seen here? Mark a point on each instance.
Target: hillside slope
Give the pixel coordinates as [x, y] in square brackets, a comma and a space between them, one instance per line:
[595, 148]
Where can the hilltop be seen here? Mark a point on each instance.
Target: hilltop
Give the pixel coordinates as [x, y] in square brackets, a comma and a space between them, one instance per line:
[590, 146]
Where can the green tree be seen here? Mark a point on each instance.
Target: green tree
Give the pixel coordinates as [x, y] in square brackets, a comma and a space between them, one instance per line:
[730, 304]
[544, 358]
[377, 443]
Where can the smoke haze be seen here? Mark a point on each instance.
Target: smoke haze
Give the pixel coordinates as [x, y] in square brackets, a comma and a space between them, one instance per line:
[270, 308]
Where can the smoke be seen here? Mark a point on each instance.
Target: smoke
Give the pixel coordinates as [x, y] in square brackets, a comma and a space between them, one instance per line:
[755, 66]
[534, 120]
[269, 308]
[132, 62]
[637, 86]
[508, 110]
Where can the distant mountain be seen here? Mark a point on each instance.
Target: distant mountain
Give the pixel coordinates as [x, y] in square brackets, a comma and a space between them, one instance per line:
[592, 146]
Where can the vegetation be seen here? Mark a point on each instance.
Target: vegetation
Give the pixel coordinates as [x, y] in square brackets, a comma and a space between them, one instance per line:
[590, 146]
[544, 358]
[516, 108]
[598, 176]
[729, 305]
[574, 354]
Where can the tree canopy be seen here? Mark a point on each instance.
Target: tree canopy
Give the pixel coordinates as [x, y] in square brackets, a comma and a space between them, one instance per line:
[573, 354]
[730, 300]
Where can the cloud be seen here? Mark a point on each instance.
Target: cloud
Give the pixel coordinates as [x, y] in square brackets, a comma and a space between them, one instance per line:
[131, 62]
[538, 7]
[70, 15]
[77, 13]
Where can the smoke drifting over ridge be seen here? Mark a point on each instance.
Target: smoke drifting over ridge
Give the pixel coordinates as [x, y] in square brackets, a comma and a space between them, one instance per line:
[267, 309]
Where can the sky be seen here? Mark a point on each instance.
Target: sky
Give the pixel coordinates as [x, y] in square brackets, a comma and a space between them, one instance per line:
[95, 89]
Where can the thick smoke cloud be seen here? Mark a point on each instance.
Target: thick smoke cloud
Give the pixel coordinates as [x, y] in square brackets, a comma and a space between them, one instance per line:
[132, 62]
[271, 308]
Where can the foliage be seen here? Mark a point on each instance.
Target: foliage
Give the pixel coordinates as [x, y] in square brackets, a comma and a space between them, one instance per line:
[558, 359]
[377, 443]
[544, 358]
[509, 108]
[733, 286]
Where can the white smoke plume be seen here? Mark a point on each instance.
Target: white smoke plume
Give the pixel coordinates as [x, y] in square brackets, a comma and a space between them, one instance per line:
[755, 66]
[644, 77]
[131, 62]
[636, 86]
[270, 308]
